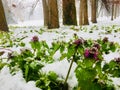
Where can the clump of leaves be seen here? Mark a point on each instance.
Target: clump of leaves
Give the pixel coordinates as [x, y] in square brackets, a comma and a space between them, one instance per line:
[89, 71]
[106, 45]
[42, 51]
[25, 61]
[5, 39]
[113, 67]
[50, 81]
[95, 27]
[2, 64]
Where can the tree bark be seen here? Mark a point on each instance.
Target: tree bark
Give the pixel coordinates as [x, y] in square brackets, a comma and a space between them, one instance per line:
[53, 14]
[69, 12]
[93, 11]
[85, 12]
[45, 12]
[112, 16]
[3, 23]
[50, 10]
[81, 19]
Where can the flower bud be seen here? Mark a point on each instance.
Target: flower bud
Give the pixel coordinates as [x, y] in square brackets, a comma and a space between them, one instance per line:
[96, 45]
[35, 39]
[86, 53]
[105, 39]
[78, 42]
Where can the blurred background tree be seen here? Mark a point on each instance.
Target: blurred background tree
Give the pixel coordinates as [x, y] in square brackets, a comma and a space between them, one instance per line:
[3, 23]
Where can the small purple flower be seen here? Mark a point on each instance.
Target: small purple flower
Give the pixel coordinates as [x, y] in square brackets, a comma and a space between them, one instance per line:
[78, 42]
[86, 54]
[91, 53]
[105, 39]
[96, 45]
[96, 56]
[35, 39]
[93, 50]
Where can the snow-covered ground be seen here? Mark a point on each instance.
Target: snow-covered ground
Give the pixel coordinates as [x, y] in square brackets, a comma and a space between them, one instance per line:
[14, 82]
[27, 18]
[64, 33]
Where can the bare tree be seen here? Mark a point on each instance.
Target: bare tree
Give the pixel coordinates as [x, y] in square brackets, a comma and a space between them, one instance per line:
[3, 23]
[45, 12]
[83, 18]
[53, 14]
[112, 16]
[93, 11]
[85, 12]
[69, 12]
[51, 17]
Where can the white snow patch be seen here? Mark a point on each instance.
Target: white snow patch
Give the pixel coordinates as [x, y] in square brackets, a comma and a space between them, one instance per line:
[61, 68]
[111, 56]
[14, 82]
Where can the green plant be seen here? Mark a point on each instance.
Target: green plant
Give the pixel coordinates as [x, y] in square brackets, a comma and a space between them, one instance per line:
[2, 64]
[50, 81]
[107, 46]
[42, 51]
[25, 61]
[113, 67]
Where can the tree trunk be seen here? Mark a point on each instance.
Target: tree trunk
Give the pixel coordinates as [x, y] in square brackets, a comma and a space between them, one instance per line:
[112, 16]
[50, 10]
[93, 11]
[45, 12]
[53, 14]
[85, 12]
[69, 12]
[81, 19]
[3, 23]
[115, 12]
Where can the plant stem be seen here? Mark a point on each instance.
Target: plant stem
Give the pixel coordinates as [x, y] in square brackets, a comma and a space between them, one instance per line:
[70, 68]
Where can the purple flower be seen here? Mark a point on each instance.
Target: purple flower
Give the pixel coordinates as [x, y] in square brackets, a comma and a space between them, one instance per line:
[96, 45]
[105, 39]
[35, 39]
[93, 50]
[96, 56]
[86, 54]
[91, 53]
[78, 42]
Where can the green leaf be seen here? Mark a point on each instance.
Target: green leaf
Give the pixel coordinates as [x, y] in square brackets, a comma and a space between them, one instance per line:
[62, 48]
[52, 76]
[26, 72]
[63, 56]
[70, 51]
[55, 48]
[22, 44]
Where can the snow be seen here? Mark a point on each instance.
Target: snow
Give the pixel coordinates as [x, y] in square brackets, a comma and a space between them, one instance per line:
[111, 56]
[25, 21]
[64, 33]
[14, 82]
[61, 68]
[23, 10]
